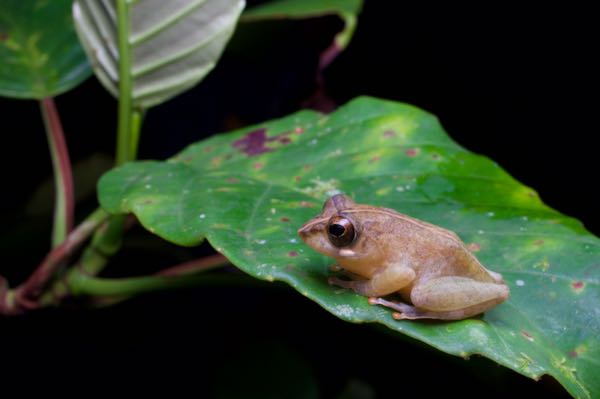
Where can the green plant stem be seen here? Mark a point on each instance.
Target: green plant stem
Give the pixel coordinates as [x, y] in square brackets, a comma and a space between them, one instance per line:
[95, 257]
[81, 284]
[104, 244]
[195, 266]
[124, 131]
[137, 117]
[63, 178]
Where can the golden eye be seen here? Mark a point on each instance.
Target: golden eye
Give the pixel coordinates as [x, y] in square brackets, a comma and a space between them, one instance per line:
[341, 231]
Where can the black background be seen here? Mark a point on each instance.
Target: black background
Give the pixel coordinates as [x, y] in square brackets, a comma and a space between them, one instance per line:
[510, 83]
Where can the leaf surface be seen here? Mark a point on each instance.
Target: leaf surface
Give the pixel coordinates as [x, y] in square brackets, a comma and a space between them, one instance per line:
[174, 44]
[249, 191]
[39, 50]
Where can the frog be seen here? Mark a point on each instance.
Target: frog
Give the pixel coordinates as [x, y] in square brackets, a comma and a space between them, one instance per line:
[382, 252]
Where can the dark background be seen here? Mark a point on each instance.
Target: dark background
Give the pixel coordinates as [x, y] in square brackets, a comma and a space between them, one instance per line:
[509, 83]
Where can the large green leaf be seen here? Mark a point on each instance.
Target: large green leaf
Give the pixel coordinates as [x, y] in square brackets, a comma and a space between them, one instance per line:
[173, 44]
[39, 50]
[247, 192]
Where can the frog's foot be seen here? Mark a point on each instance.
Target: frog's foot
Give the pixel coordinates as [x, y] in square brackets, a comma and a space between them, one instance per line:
[403, 311]
[338, 282]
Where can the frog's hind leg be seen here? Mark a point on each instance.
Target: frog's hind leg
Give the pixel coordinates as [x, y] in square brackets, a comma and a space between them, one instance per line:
[447, 298]
[402, 310]
[453, 298]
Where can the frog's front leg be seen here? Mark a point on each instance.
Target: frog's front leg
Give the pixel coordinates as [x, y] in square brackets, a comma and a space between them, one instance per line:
[448, 298]
[385, 281]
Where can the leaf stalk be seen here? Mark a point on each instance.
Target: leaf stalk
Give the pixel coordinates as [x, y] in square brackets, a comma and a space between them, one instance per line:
[124, 151]
[63, 178]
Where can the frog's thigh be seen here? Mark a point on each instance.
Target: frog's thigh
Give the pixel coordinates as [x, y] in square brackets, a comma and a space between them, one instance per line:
[450, 294]
[389, 279]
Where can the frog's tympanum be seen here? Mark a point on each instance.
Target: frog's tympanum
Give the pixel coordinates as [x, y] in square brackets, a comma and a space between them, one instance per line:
[385, 252]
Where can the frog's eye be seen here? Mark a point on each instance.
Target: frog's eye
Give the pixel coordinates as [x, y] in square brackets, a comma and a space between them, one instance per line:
[341, 231]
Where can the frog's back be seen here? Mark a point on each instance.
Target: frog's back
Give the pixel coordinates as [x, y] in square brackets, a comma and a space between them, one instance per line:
[431, 250]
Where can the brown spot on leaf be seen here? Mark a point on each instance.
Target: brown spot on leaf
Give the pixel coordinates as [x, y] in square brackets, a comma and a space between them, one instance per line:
[3, 36]
[435, 156]
[374, 159]
[474, 247]
[233, 180]
[578, 286]
[284, 219]
[292, 254]
[306, 168]
[412, 152]
[220, 226]
[215, 162]
[578, 351]
[258, 165]
[388, 134]
[306, 204]
[298, 130]
[208, 149]
[297, 178]
[255, 142]
[538, 243]
[527, 336]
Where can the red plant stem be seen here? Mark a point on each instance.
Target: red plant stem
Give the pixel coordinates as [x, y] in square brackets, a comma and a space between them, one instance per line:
[31, 288]
[62, 167]
[195, 266]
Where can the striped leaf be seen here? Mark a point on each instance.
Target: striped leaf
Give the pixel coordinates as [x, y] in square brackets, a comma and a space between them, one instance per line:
[173, 44]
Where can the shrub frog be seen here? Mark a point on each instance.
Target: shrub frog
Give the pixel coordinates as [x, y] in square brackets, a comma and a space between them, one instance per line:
[385, 252]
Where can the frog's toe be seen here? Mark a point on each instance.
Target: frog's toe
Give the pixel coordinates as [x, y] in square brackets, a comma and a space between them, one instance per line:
[338, 282]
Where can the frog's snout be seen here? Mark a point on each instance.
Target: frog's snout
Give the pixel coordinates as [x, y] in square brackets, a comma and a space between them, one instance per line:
[308, 229]
[305, 231]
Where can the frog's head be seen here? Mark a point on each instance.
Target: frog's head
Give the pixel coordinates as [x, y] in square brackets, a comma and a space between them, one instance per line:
[338, 231]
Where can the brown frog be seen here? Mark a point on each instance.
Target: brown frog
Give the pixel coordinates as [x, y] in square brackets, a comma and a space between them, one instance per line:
[386, 252]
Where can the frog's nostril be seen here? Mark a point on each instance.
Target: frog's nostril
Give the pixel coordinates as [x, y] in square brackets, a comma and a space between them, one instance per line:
[304, 231]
